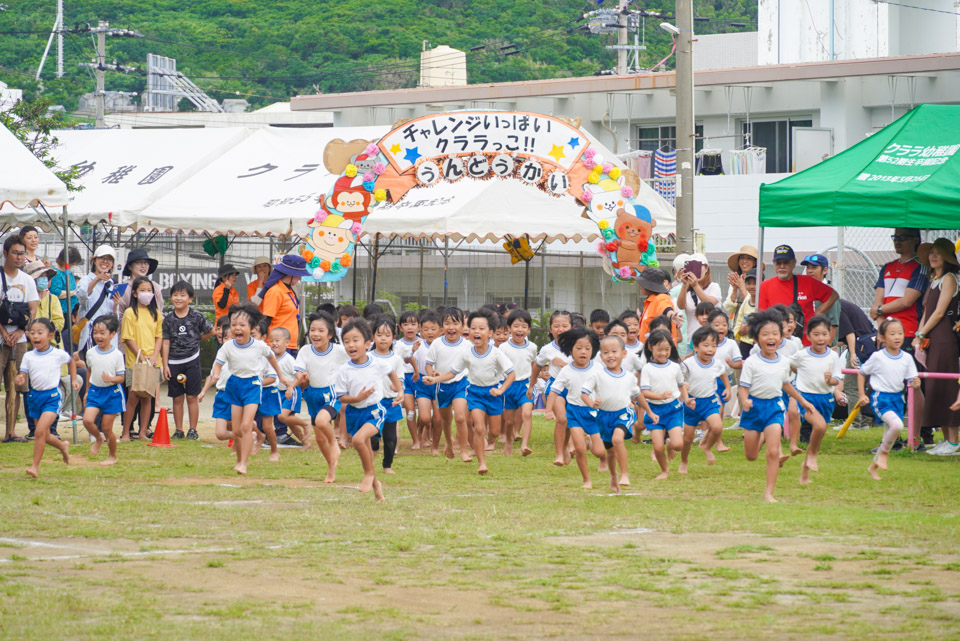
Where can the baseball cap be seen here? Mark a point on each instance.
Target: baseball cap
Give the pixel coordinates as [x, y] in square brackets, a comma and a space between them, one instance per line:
[816, 260]
[783, 252]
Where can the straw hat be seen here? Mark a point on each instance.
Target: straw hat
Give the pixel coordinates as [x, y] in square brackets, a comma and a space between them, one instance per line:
[733, 262]
[261, 260]
[944, 247]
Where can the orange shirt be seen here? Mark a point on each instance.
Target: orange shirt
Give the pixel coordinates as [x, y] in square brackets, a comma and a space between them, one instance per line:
[655, 306]
[280, 304]
[232, 299]
[253, 289]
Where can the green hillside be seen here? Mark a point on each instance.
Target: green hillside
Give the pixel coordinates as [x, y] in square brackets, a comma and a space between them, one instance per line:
[269, 51]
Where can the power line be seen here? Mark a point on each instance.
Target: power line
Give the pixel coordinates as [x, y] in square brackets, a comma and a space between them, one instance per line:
[913, 6]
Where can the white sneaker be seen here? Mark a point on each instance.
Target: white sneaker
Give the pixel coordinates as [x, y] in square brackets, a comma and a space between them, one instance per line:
[949, 450]
[933, 451]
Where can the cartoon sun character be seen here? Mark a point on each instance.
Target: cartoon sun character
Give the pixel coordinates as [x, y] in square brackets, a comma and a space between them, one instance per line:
[349, 199]
[633, 233]
[331, 238]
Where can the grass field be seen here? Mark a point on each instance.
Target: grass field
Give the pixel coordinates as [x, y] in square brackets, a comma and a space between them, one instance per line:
[169, 544]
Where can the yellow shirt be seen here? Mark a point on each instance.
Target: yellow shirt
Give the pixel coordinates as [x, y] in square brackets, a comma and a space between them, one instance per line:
[143, 330]
[49, 307]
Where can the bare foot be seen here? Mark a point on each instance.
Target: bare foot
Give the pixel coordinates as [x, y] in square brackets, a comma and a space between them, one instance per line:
[784, 458]
[653, 456]
[769, 498]
[332, 469]
[367, 483]
[415, 446]
[110, 460]
[567, 457]
[95, 448]
[720, 447]
[508, 449]
[812, 463]
[65, 453]
[804, 474]
[603, 466]
[489, 447]
[711, 457]
[872, 470]
[241, 469]
[378, 492]
[526, 451]
[307, 445]
[256, 449]
[882, 459]
[388, 470]
[587, 485]
[661, 476]
[482, 469]
[682, 469]
[613, 485]
[465, 457]
[275, 457]
[126, 439]
[624, 480]
[795, 450]
[558, 461]
[672, 453]
[32, 471]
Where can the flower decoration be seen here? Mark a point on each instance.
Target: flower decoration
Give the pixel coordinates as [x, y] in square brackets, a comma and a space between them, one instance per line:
[627, 191]
[615, 173]
[318, 273]
[589, 153]
[612, 246]
[379, 168]
[607, 168]
[586, 196]
[602, 248]
[356, 229]
[625, 272]
[368, 177]
[346, 260]
[314, 262]
[307, 255]
[325, 265]
[593, 179]
[372, 149]
[321, 215]
[368, 185]
[350, 171]
[589, 164]
[380, 195]
[603, 224]
[335, 267]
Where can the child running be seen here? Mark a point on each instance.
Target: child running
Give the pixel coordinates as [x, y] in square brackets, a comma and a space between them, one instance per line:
[289, 407]
[317, 364]
[428, 414]
[489, 373]
[662, 384]
[221, 409]
[183, 329]
[41, 367]
[451, 395]
[359, 387]
[581, 345]
[384, 332]
[789, 346]
[819, 378]
[516, 404]
[552, 358]
[269, 397]
[409, 327]
[105, 396]
[728, 353]
[702, 405]
[887, 368]
[763, 381]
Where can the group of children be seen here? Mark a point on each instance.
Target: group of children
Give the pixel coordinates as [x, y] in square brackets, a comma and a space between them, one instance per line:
[358, 377]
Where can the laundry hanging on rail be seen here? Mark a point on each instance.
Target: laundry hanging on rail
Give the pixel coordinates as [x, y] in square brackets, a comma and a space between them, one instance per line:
[709, 163]
[665, 175]
[752, 160]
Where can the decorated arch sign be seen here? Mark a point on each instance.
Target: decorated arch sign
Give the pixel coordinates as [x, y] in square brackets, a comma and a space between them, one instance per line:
[543, 152]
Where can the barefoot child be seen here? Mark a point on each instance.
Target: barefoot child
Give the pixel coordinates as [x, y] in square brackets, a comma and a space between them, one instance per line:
[703, 406]
[728, 353]
[451, 395]
[581, 345]
[517, 406]
[105, 396]
[221, 409]
[819, 379]
[486, 367]
[663, 385]
[764, 379]
[183, 329]
[887, 368]
[318, 364]
[428, 414]
[633, 362]
[41, 367]
[289, 407]
[383, 338]
[789, 346]
[553, 359]
[409, 327]
[359, 386]
[269, 397]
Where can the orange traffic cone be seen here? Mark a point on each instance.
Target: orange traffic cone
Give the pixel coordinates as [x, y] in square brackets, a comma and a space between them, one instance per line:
[161, 436]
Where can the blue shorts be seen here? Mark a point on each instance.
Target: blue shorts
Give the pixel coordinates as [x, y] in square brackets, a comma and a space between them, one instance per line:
[765, 411]
[392, 413]
[561, 394]
[357, 417]
[409, 387]
[609, 421]
[479, 398]
[422, 390]
[292, 404]
[447, 392]
[823, 403]
[881, 402]
[583, 417]
[243, 391]
[516, 395]
[671, 415]
[221, 408]
[705, 408]
[269, 402]
[108, 399]
[40, 401]
[319, 398]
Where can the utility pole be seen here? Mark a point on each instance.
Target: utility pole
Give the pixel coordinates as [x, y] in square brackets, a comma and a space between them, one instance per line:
[686, 141]
[622, 35]
[100, 67]
[58, 32]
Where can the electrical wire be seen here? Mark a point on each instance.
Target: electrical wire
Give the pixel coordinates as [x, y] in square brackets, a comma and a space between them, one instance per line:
[913, 6]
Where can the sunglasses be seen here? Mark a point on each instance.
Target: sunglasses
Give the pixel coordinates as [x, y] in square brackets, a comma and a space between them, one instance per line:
[899, 238]
[812, 259]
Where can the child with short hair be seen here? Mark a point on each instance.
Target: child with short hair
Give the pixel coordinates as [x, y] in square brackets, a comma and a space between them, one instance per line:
[359, 387]
[105, 396]
[764, 379]
[269, 407]
[551, 357]
[222, 414]
[728, 352]
[489, 373]
[522, 353]
[428, 414]
[501, 333]
[599, 319]
[279, 340]
[345, 314]
[384, 332]
[887, 368]
[409, 328]
[631, 319]
[789, 346]
[182, 330]
[41, 367]
[452, 394]
[580, 345]
[662, 384]
[703, 406]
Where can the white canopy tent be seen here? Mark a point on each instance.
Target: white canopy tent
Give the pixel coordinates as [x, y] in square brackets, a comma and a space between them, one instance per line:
[24, 181]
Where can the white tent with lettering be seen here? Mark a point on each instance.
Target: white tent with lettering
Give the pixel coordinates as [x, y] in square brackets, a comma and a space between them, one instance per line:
[25, 181]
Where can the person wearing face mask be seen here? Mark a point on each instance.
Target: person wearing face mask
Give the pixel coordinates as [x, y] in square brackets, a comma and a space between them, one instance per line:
[142, 336]
[138, 265]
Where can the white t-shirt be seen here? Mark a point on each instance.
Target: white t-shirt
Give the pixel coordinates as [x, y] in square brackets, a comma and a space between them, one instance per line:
[405, 351]
[288, 367]
[43, 368]
[420, 356]
[887, 372]
[713, 289]
[396, 363]
[246, 361]
[701, 377]
[787, 348]
[615, 391]
[662, 378]
[444, 356]
[353, 378]
[109, 362]
[224, 377]
[764, 377]
[811, 367]
[20, 289]
[572, 379]
[728, 348]
[522, 357]
[483, 370]
[321, 367]
[546, 355]
[266, 372]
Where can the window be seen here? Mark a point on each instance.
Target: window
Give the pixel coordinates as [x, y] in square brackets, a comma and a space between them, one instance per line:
[776, 136]
[654, 137]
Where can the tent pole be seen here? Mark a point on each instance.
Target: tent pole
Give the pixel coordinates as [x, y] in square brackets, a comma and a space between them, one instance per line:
[355, 268]
[176, 257]
[841, 265]
[760, 255]
[68, 324]
[420, 290]
[582, 284]
[526, 284]
[373, 264]
[446, 245]
[543, 284]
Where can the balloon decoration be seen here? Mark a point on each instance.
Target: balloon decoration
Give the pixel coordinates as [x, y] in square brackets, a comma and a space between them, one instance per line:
[544, 152]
